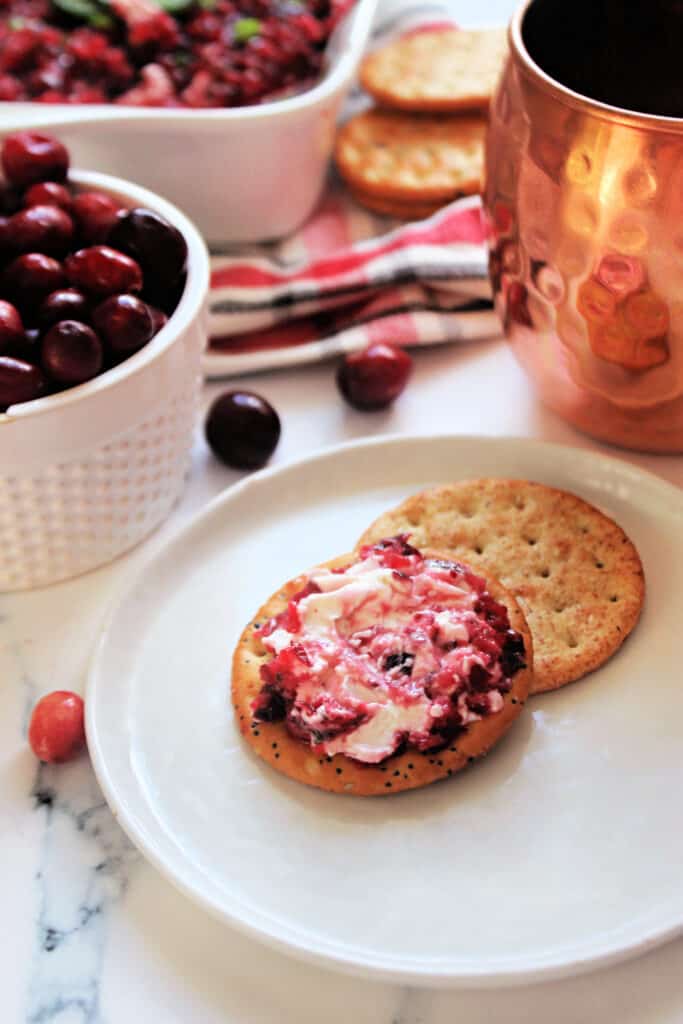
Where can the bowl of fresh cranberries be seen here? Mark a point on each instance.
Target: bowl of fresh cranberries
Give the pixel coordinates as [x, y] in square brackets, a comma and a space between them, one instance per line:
[103, 296]
[228, 107]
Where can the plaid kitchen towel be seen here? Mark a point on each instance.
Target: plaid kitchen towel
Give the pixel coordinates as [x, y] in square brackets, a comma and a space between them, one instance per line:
[349, 277]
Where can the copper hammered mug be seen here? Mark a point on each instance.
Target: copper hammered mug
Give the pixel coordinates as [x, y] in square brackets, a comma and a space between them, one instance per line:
[584, 199]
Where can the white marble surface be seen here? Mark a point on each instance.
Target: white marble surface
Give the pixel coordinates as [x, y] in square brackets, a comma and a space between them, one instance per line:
[90, 933]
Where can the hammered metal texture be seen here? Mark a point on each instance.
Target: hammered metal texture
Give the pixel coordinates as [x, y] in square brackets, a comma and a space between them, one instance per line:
[585, 211]
[78, 515]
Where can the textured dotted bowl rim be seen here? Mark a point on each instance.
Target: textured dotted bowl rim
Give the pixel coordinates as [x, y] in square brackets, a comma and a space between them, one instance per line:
[187, 310]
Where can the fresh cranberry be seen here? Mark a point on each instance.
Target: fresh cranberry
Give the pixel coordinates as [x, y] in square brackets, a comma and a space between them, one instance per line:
[71, 353]
[29, 278]
[28, 347]
[56, 731]
[157, 246]
[64, 304]
[242, 429]
[11, 327]
[19, 382]
[5, 239]
[374, 378]
[29, 157]
[49, 193]
[159, 319]
[46, 229]
[124, 323]
[11, 200]
[95, 214]
[101, 270]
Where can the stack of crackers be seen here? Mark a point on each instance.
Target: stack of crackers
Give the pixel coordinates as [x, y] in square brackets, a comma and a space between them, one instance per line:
[422, 145]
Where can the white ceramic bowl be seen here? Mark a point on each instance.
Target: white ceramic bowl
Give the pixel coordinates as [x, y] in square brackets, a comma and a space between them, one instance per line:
[88, 473]
[243, 173]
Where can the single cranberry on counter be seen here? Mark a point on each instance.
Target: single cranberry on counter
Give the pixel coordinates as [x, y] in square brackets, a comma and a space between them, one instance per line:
[19, 382]
[101, 270]
[124, 323]
[46, 229]
[29, 157]
[56, 731]
[64, 304]
[372, 379]
[242, 429]
[71, 353]
[11, 328]
[49, 193]
[29, 278]
[159, 248]
[95, 214]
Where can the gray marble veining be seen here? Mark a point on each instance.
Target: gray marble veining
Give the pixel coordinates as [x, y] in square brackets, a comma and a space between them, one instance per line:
[71, 928]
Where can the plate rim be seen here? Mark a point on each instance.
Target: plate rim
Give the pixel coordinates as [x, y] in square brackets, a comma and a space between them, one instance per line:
[542, 968]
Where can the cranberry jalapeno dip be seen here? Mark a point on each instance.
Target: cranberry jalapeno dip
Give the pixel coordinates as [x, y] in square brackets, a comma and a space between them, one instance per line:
[170, 53]
[397, 649]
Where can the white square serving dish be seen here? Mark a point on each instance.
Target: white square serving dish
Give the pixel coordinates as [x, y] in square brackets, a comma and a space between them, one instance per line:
[241, 173]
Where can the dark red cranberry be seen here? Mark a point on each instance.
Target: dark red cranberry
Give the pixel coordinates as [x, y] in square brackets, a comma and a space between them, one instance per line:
[29, 278]
[46, 229]
[49, 193]
[5, 238]
[374, 378]
[124, 323]
[159, 318]
[165, 297]
[513, 657]
[11, 200]
[28, 348]
[19, 382]
[11, 327]
[64, 304]
[242, 429]
[158, 247]
[95, 214]
[101, 270]
[28, 157]
[71, 353]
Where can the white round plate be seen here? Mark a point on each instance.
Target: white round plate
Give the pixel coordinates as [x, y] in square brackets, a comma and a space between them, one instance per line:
[560, 851]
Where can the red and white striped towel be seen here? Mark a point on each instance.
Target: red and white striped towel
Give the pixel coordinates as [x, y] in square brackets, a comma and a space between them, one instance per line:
[347, 278]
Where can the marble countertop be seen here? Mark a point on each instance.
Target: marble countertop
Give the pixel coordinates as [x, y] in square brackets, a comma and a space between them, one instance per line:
[91, 933]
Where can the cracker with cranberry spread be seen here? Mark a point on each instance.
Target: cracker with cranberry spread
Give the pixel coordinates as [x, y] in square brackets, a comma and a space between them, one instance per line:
[437, 71]
[381, 671]
[406, 158]
[575, 573]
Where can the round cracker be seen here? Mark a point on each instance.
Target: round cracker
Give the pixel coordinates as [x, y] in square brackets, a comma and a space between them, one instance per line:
[410, 158]
[437, 71]
[394, 207]
[341, 774]
[575, 573]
